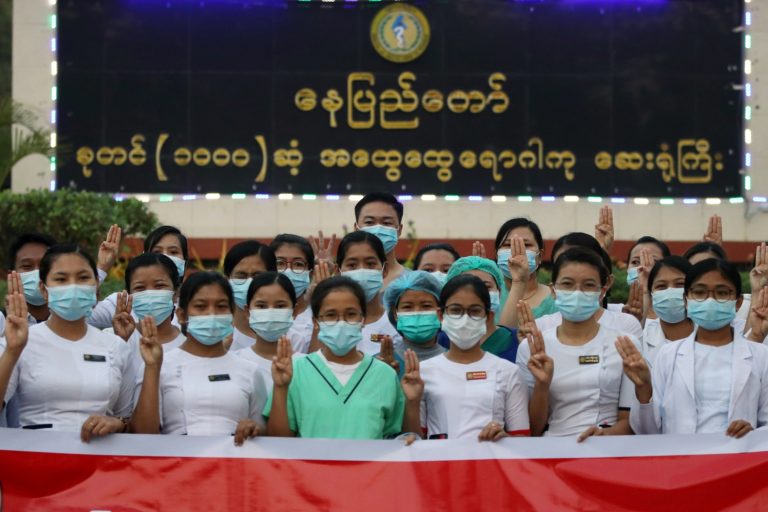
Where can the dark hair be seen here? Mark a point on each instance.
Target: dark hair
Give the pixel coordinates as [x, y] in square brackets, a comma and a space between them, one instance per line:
[149, 259]
[380, 197]
[200, 279]
[650, 240]
[331, 285]
[584, 241]
[53, 253]
[580, 255]
[288, 239]
[155, 236]
[675, 262]
[519, 222]
[435, 247]
[725, 268]
[270, 278]
[703, 247]
[360, 237]
[24, 239]
[240, 251]
[462, 281]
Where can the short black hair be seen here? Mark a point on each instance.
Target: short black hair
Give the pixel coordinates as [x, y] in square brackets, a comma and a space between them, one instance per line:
[337, 283]
[725, 268]
[249, 248]
[519, 222]
[289, 239]
[583, 240]
[650, 240]
[200, 279]
[675, 262]
[360, 237]
[380, 197]
[149, 259]
[53, 253]
[463, 281]
[703, 247]
[155, 236]
[581, 255]
[435, 247]
[270, 278]
[24, 239]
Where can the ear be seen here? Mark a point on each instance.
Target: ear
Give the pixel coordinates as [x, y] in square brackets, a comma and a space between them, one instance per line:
[399, 229]
[175, 297]
[552, 290]
[357, 228]
[490, 322]
[295, 311]
[43, 290]
[384, 270]
[181, 315]
[609, 283]
[739, 302]
[440, 315]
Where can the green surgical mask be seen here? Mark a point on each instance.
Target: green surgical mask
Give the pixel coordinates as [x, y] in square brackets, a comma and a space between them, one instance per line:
[418, 326]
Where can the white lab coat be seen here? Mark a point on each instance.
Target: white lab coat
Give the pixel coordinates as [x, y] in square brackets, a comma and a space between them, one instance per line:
[672, 410]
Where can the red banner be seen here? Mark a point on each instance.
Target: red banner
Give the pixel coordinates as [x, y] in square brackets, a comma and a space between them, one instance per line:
[55, 471]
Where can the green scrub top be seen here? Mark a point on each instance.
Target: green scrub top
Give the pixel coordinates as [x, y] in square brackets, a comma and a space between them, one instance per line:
[546, 307]
[370, 406]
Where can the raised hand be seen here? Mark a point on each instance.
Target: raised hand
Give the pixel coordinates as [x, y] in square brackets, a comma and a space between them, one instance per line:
[17, 322]
[149, 345]
[123, 322]
[541, 366]
[413, 386]
[634, 305]
[738, 429]
[246, 429]
[758, 319]
[387, 353]
[478, 249]
[526, 322]
[714, 232]
[518, 261]
[282, 363]
[636, 368]
[758, 276]
[323, 248]
[109, 248]
[604, 228]
[493, 431]
[97, 425]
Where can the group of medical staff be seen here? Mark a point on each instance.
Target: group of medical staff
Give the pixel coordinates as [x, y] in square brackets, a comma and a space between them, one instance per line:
[314, 337]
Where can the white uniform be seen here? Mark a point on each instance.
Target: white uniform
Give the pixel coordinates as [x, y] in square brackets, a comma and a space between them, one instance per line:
[208, 396]
[675, 407]
[264, 364]
[241, 340]
[653, 339]
[374, 332]
[136, 363]
[623, 323]
[104, 311]
[743, 311]
[9, 416]
[300, 332]
[59, 383]
[461, 399]
[588, 386]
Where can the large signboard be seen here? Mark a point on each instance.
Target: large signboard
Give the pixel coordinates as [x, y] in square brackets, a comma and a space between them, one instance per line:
[471, 97]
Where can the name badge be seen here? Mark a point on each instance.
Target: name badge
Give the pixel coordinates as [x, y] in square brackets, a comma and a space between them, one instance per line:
[589, 359]
[94, 358]
[218, 378]
[477, 375]
[378, 338]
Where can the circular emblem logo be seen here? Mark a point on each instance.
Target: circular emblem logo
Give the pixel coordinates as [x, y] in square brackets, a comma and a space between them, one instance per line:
[400, 33]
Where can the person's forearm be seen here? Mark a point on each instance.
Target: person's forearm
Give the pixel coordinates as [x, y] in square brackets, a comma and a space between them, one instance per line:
[8, 361]
[508, 316]
[411, 418]
[278, 424]
[538, 409]
[620, 428]
[146, 416]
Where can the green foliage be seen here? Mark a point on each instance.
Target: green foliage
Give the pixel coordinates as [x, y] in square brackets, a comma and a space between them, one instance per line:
[69, 216]
[21, 135]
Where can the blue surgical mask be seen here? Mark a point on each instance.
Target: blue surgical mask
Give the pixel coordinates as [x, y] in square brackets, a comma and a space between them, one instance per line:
[210, 329]
[271, 323]
[532, 265]
[31, 281]
[180, 265]
[72, 301]
[495, 301]
[502, 260]
[632, 273]
[340, 337]
[387, 235]
[710, 314]
[155, 303]
[669, 305]
[418, 326]
[576, 305]
[240, 291]
[371, 281]
[441, 276]
[299, 280]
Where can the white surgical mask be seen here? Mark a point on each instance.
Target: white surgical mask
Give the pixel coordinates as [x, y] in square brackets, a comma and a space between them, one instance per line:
[464, 332]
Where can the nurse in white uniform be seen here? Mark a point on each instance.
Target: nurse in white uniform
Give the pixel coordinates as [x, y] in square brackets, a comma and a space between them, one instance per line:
[199, 388]
[295, 258]
[573, 371]
[469, 393]
[244, 261]
[271, 306]
[361, 257]
[714, 381]
[668, 321]
[65, 374]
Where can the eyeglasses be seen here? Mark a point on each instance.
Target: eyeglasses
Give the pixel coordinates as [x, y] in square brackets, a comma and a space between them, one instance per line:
[242, 277]
[332, 317]
[475, 312]
[719, 293]
[297, 266]
[584, 287]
